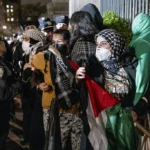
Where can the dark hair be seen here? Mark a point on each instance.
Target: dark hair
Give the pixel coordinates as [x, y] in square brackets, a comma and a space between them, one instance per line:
[65, 34]
[84, 25]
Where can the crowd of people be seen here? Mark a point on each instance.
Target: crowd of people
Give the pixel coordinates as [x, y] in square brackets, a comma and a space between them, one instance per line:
[81, 86]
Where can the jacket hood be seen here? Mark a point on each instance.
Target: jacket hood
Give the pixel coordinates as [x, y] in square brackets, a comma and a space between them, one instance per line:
[96, 16]
[141, 24]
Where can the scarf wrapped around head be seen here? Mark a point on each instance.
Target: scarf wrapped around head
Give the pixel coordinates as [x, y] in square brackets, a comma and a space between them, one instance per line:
[116, 41]
[37, 36]
[118, 48]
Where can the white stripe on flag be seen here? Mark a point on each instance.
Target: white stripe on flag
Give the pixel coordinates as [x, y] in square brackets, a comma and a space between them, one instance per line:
[97, 134]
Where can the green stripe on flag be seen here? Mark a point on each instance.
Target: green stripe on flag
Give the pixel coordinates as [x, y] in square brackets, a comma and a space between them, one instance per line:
[120, 130]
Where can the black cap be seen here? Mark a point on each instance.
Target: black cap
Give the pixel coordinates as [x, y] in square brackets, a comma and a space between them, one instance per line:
[62, 19]
[45, 23]
[29, 21]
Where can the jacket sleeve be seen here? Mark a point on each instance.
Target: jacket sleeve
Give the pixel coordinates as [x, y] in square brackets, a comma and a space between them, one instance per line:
[7, 93]
[142, 50]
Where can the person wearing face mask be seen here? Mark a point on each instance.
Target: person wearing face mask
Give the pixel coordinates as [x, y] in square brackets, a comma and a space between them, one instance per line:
[52, 61]
[114, 68]
[31, 99]
[22, 47]
[61, 39]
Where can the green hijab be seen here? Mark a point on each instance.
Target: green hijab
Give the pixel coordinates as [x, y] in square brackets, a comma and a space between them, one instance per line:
[141, 42]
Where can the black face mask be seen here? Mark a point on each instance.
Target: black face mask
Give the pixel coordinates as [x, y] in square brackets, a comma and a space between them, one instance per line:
[62, 48]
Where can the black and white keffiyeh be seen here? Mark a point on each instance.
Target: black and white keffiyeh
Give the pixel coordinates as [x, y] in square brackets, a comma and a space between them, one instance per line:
[66, 94]
[33, 49]
[118, 48]
[116, 41]
[36, 35]
[82, 51]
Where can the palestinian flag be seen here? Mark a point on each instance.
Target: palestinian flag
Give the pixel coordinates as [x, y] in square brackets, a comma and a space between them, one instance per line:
[111, 126]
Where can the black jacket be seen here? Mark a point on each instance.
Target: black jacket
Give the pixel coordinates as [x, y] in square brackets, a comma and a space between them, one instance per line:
[8, 88]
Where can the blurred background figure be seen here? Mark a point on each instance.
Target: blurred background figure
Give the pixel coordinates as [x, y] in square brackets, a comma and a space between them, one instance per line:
[47, 27]
[62, 22]
[8, 90]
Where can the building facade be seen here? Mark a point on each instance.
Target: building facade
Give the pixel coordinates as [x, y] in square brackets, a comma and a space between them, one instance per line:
[57, 7]
[9, 12]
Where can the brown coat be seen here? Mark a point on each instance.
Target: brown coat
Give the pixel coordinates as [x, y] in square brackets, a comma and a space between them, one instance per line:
[38, 62]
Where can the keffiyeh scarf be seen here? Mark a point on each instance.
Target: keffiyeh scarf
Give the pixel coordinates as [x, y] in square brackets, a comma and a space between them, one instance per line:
[67, 96]
[118, 48]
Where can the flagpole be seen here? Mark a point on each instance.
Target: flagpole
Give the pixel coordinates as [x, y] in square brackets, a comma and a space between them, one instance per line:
[139, 126]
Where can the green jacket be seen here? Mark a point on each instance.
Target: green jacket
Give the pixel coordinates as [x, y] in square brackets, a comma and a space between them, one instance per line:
[141, 43]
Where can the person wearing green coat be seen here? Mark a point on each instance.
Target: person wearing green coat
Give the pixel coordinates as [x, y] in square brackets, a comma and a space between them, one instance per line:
[141, 43]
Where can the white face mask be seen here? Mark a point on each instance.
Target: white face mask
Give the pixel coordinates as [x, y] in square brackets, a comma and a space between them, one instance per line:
[26, 47]
[102, 54]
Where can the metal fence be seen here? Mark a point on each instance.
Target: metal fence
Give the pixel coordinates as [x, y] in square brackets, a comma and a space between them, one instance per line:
[127, 9]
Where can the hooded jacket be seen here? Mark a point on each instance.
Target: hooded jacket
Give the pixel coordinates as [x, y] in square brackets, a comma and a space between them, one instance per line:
[95, 14]
[141, 43]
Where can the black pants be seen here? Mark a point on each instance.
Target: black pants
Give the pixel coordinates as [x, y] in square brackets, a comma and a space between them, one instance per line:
[4, 123]
[37, 136]
[27, 108]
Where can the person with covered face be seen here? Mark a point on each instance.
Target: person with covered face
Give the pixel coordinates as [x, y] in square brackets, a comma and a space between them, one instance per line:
[114, 68]
[60, 79]
[22, 47]
[71, 124]
[31, 98]
[8, 90]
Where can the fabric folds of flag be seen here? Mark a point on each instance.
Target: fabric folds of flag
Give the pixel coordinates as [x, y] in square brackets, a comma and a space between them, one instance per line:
[111, 126]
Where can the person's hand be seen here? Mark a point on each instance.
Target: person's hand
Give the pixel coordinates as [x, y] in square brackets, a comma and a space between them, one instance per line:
[80, 74]
[28, 65]
[43, 87]
[134, 116]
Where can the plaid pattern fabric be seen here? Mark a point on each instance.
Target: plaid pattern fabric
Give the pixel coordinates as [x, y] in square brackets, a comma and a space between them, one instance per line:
[33, 49]
[36, 35]
[82, 50]
[116, 41]
[63, 84]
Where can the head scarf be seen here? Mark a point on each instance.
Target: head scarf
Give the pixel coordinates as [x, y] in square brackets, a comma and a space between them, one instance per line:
[38, 36]
[118, 48]
[116, 41]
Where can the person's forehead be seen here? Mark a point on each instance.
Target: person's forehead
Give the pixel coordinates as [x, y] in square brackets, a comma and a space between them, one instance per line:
[30, 26]
[58, 36]
[100, 39]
